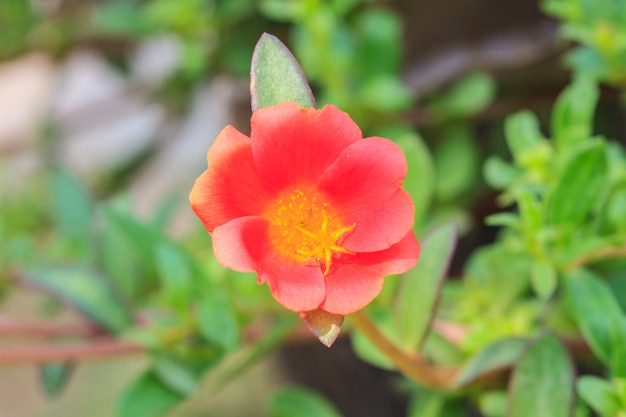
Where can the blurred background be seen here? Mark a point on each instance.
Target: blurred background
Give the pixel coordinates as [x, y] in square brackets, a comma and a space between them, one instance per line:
[109, 106]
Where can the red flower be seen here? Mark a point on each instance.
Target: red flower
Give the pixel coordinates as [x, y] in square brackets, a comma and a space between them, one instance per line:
[312, 207]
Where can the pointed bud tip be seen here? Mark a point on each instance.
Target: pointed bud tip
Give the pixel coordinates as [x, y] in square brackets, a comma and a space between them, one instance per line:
[324, 325]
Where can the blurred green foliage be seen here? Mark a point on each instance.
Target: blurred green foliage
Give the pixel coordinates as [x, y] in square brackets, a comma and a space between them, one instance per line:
[555, 271]
[600, 29]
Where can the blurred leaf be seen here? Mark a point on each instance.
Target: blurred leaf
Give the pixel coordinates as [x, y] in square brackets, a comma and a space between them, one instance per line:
[572, 115]
[493, 403]
[597, 313]
[420, 179]
[282, 10]
[142, 242]
[217, 320]
[385, 93]
[456, 163]
[427, 403]
[502, 273]
[271, 338]
[467, 97]
[599, 394]
[543, 278]
[120, 18]
[299, 402]
[276, 76]
[324, 325]
[73, 207]
[54, 377]
[419, 290]
[147, 397]
[542, 384]
[522, 135]
[579, 185]
[498, 173]
[378, 34]
[498, 355]
[176, 273]
[175, 374]
[84, 290]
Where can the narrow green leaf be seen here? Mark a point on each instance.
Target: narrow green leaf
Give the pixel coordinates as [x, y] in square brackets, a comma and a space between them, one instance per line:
[147, 397]
[579, 185]
[176, 273]
[276, 76]
[542, 384]
[498, 355]
[175, 374]
[54, 377]
[543, 278]
[324, 325]
[522, 134]
[572, 116]
[599, 394]
[419, 288]
[84, 290]
[73, 207]
[420, 179]
[299, 402]
[468, 96]
[597, 313]
[456, 163]
[217, 320]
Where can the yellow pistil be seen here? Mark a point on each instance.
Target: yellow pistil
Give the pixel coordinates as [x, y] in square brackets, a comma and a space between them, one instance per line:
[304, 227]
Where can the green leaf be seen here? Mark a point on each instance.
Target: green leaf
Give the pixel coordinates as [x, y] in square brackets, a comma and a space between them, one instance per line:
[596, 312]
[299, 402]
[54, 377]
[84, 290]
[175, 374]
[456, 163]
[572, 116]
[176, 273]
[498, 173]
[542, 384]
[73, 207]
[468, 96]
[217, 320]
[581, 182]
[147, 397]
[599, 394]
[420, 288]
[498, 355]
[543, 278]
[420, 179]
[276, 76]
[324, 325]
[522, 135]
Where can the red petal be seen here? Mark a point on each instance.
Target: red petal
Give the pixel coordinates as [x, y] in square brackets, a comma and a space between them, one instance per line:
[364, 184]
[229, 188]
[354, 284]
[242, 244]
[295, 145]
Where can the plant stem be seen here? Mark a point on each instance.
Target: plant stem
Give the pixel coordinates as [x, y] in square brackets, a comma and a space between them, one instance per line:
[413, 366]
[101, 349]
[599, 255]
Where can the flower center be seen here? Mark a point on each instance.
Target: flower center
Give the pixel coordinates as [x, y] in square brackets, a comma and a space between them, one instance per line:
[304, 227]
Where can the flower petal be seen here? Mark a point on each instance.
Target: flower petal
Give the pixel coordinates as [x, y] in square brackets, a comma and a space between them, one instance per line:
[354, 284]
[243, 245]
[364, 184]
[295, 145]
[229, 188]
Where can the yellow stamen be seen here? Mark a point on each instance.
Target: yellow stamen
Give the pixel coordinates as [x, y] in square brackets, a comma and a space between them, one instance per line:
[306, 228]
